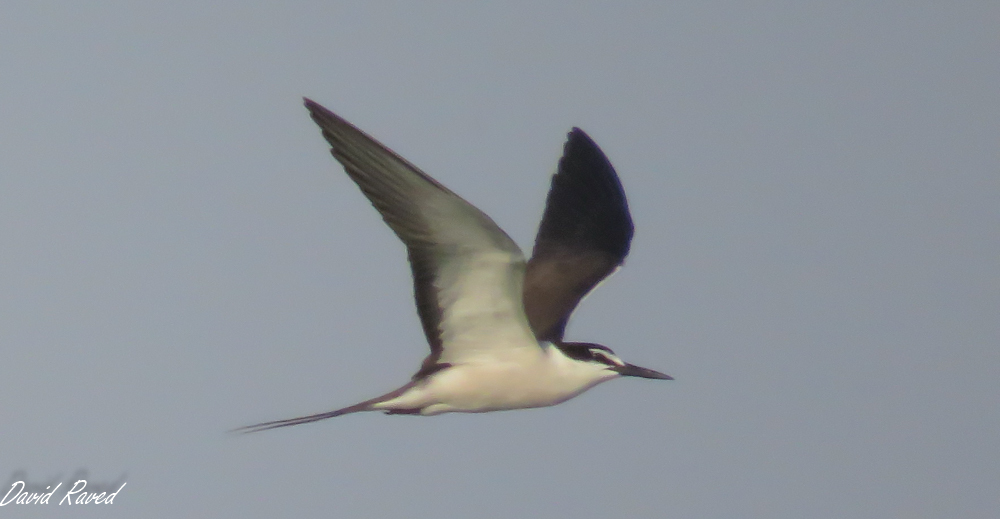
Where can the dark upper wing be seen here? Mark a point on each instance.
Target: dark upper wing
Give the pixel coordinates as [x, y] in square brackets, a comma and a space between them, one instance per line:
[467, 273]
[584, 236]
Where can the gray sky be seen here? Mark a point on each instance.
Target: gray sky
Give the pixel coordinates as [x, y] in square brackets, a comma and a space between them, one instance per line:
[816, 192]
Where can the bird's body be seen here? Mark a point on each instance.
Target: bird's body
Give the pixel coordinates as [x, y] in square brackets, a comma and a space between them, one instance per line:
[493, 321]
[519, 379]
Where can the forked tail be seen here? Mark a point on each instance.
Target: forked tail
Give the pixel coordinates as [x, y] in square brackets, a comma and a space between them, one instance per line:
[356, 408]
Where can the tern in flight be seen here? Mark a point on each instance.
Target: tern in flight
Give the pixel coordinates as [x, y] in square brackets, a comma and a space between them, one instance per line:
[494, 322]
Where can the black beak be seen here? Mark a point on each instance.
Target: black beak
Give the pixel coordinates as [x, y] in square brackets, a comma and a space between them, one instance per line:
[629, 370]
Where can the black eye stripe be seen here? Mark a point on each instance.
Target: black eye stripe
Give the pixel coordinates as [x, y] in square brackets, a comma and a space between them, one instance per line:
[604, 359]
[578, 353]
[588, 352]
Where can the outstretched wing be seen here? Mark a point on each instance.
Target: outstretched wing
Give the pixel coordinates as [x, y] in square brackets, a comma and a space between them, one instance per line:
[467, 273]
[584, 236]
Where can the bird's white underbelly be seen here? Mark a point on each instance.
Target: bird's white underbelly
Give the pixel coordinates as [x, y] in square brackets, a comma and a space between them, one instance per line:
[496, 386]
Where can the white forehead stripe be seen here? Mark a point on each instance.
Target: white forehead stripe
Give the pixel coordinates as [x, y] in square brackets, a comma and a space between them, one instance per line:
[601, 353]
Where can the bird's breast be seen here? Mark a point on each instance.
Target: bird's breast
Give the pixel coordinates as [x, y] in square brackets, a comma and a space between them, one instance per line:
[499, 386]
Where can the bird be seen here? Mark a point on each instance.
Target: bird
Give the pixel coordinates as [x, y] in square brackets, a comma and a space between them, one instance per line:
[494, 322]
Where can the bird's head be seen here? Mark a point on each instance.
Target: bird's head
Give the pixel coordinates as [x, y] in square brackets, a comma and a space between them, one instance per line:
[602, 359]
